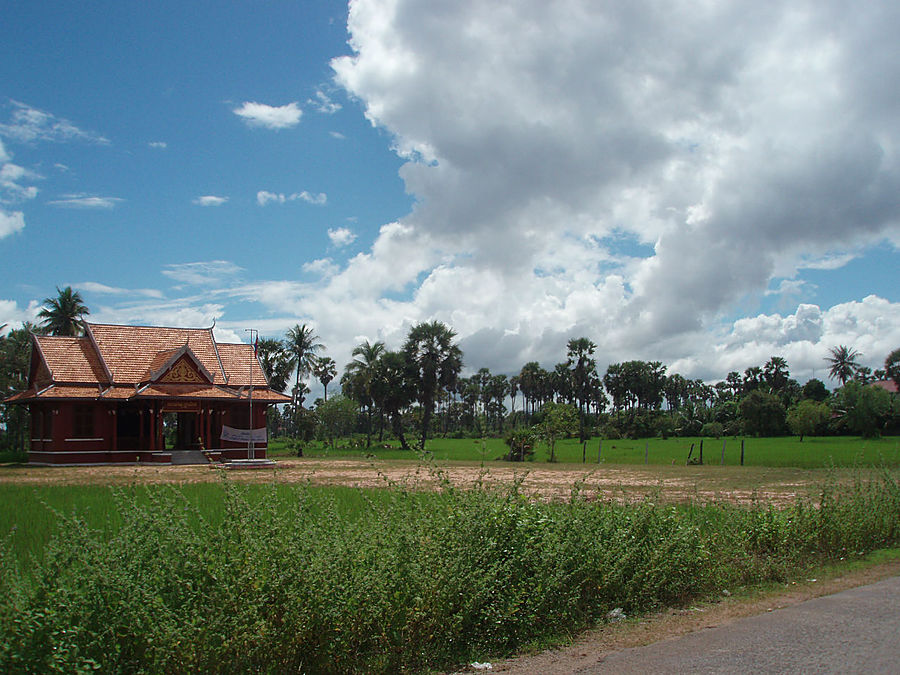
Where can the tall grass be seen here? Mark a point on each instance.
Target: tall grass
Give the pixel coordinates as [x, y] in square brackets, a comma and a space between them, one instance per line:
[285, 578]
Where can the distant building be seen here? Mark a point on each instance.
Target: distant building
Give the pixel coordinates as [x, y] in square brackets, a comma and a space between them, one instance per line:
[888, 385]
[115, 393]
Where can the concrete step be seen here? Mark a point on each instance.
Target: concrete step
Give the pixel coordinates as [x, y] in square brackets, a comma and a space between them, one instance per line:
[248, 464]
[188, 457]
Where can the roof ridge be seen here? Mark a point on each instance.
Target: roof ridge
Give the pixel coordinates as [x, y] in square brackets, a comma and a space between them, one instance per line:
[212, 336]
[37, 344]
[93, 341]
[141, 325]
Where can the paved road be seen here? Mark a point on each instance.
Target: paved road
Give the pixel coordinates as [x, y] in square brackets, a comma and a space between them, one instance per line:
[855, 631]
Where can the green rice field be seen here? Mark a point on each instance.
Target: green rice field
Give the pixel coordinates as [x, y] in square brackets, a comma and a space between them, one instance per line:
[784, 451]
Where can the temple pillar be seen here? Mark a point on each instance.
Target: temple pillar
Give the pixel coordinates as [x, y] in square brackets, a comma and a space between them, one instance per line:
[115, 430]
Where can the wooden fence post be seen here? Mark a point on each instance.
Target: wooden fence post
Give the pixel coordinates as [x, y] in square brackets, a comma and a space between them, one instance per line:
[584, 452]
[690, 452]
[701, 451]
[742, 452]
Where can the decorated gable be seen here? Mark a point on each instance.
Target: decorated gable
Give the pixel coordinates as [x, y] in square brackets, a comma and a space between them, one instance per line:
[180, 366]
[183, 371]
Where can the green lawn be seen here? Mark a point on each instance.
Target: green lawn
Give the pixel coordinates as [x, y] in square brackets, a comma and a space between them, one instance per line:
[780, 451]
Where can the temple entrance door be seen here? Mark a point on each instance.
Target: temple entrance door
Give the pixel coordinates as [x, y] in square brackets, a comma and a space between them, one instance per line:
[182, 430]
[188, 433]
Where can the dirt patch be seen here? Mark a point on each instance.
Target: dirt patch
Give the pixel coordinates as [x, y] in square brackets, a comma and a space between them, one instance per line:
[544, 481]
[590, 648]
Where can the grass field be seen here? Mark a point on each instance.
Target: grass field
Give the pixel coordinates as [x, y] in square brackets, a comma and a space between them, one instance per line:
[786, 451]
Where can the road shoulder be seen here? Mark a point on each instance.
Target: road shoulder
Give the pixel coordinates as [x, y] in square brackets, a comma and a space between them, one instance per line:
[591, 647]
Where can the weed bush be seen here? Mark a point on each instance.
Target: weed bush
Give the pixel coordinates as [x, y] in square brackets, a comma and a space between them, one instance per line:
[289, 580]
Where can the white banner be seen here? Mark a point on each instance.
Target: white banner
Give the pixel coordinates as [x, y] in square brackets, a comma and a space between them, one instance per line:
[243, 435]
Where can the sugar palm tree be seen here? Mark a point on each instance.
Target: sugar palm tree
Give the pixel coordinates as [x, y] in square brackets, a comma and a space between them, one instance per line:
[776, 373]
[843, 363]
[429, 348]
[325, 370]
[302, 343]
[579, 352]
[61, 314]
[277, 363]
[393, 384]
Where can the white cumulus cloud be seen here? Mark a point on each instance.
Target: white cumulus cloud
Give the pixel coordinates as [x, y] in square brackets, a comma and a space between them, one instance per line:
[611, 179]
[11, 222]
[270, 117]
[341, 236]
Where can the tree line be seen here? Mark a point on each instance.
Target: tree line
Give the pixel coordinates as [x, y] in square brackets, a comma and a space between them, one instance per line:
[418, 390]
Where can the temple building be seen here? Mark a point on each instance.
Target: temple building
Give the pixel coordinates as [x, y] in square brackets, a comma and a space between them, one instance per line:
[144, 394]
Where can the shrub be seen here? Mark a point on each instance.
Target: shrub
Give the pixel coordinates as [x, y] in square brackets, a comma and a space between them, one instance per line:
[521, 445]
[712, 430]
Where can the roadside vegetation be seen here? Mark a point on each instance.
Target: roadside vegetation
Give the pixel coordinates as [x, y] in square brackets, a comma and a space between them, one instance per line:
[220, 577]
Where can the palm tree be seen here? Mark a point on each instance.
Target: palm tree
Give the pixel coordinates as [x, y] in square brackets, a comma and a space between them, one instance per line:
[892, 366]
[61, 314]
[360, 371]
[325, 370]
[302, 343]
[843, 363]
[393, 385]
[429, 348]
[579, 352]
[776, 373]
[277, 363]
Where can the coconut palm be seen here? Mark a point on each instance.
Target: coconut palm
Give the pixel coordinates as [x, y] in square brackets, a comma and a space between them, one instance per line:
[430, 350]
[359, 373]
[302, 343]
[843, 363]
[61, 314]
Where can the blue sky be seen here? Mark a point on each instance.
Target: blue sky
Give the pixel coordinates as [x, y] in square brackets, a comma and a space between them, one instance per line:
[526, 173]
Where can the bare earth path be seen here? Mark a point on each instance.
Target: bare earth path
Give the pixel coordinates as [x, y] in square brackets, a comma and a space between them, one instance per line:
[546, 481]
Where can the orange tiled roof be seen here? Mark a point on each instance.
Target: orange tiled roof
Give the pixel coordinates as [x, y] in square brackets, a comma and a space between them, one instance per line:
[71, 359]
[81, 367]
[59, 391]
[266, 395]
[239, 361]
[131, 352]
